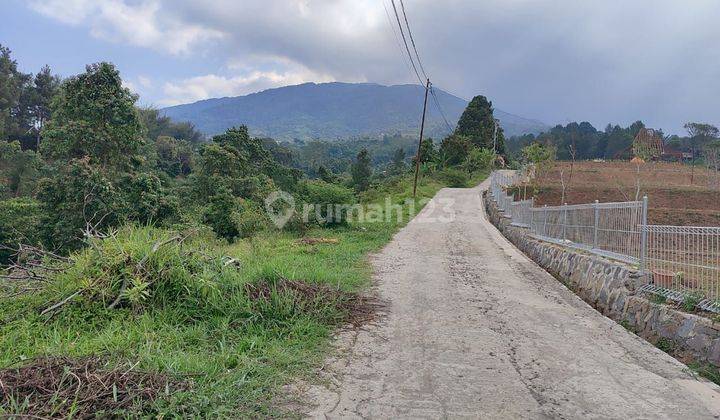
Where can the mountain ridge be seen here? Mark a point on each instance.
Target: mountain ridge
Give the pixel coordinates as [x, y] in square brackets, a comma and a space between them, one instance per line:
[335, 111]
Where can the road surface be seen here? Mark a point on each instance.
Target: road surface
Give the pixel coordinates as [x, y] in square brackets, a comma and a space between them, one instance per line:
[474, 329]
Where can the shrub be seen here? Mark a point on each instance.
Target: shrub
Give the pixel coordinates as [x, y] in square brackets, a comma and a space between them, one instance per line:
[455, 178]
[19, 223]
[479, 160]
[249, 218]
[330, 201]
[76, 194]
[218, 215]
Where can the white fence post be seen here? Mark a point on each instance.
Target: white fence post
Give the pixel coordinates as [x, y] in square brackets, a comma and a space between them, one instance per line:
[596, 209]
[644, 235]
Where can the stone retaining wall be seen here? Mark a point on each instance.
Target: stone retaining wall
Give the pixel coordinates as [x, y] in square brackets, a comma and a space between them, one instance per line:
[610, 287]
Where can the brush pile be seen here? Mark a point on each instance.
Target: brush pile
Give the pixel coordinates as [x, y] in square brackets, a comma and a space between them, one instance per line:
[59, 387]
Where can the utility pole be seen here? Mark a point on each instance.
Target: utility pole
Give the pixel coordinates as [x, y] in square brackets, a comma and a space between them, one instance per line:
[422, 128]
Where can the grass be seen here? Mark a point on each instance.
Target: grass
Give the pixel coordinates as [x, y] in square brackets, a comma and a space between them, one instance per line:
[235, 359]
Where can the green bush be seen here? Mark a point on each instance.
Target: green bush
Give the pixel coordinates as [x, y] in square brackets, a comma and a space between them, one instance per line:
[219, 213]
[479, 160]
[19, 223]
[455, 178]
[249, 218]
[330, 201]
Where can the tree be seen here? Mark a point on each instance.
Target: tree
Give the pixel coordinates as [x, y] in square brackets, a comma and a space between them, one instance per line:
[19, 170]
[157, 125]
[235, 161]
[361, 171]
[398, 161]
[326, 175]
[477, 123]
[541, 156]
[700, 135]
[14, 119]
[712, 161]
[174, 157]
[455, 149]
[479, 160]
[427, 152]
[94, 116]
[45, 87]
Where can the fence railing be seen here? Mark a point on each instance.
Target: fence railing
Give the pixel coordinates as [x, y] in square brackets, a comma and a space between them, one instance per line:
[678, 259]
[610, 229]
[685, 258]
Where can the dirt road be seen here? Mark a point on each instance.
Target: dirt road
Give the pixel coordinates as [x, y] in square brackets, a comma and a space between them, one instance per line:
[476, 330]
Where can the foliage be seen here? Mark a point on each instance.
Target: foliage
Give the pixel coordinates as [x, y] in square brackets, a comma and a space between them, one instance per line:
[14, 121]
[397, 166]
[329, 201]
[455, 149]
[94, 116]
[174, 157]
[219, 214]
[613, 143]
[158, 125]
[542, 156]
[361, 171]
[147, 201]
[455, 178]
[19, 170]
[479, 160]
[19, 223]
[478, 125]
[691, 301]
[78, 193]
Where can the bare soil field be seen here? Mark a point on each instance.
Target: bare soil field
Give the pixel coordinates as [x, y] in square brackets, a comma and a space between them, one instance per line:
[676, 195]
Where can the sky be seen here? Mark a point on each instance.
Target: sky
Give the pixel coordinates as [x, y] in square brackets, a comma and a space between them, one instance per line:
[609, 61]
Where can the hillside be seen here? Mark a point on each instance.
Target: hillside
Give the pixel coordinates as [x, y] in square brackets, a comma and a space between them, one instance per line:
[334, 111]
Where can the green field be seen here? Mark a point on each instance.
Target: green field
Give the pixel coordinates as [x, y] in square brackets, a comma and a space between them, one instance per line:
[230, 355]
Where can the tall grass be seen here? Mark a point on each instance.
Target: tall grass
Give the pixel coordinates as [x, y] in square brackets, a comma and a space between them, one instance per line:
[191, 315]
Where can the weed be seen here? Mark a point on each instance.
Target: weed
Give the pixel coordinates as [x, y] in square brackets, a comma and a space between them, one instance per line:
[665, 344]
[691, 301]
[707, 371]
[658, 299]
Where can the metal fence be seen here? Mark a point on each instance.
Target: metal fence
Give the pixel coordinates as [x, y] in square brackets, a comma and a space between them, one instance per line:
[678, 259]
[685, 258]
[610, 229]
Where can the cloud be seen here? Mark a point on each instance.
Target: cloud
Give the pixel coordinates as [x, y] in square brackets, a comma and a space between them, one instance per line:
[143, 23]
[248, 80]
[554, 60]
[145, 82]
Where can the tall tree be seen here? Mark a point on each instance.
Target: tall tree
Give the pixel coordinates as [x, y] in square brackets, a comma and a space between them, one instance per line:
[94, 116]
[45, 87]
[362, 171]
[14, 120]
[477, 123]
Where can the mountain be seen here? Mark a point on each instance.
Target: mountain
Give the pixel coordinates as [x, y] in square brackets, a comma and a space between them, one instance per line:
[335, 111]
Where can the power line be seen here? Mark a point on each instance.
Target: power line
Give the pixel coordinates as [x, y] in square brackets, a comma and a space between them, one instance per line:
[437, 104]
[407, 48]
[412, 40]
[417, 56]
[397, 37]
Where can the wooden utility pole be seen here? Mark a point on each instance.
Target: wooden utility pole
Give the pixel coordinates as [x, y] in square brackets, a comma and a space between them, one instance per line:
[422, 128]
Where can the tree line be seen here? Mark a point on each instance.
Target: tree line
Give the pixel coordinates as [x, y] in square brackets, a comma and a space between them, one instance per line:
[79, 156]
[582, 141]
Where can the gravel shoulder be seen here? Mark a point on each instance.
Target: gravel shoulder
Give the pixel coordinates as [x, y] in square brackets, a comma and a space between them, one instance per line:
[475, 329]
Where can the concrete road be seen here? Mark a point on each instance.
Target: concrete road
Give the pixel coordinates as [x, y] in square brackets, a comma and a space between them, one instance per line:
[475, 329]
